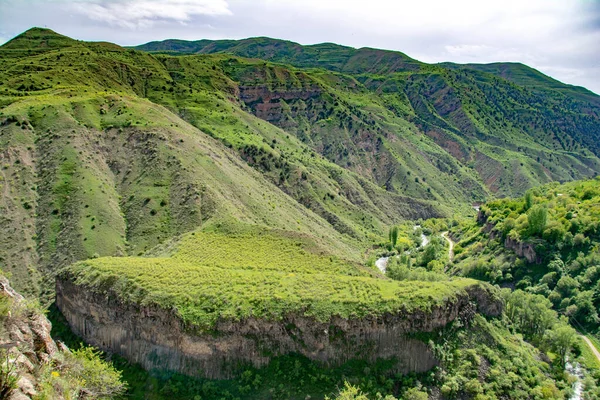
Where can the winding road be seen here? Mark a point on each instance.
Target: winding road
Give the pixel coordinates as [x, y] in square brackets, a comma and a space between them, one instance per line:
[450, 245]
[589, 343]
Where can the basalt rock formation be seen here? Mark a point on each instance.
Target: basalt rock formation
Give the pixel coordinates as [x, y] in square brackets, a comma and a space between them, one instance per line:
[158, 339]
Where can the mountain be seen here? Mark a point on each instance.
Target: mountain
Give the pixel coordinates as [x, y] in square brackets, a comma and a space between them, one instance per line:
[514, 126]
[216, 218]
[106, 150]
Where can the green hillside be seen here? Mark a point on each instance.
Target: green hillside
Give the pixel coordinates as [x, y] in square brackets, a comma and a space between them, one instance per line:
[559, 225]
[255, 178]
[89, 168]
[512, 126]
[110, 151]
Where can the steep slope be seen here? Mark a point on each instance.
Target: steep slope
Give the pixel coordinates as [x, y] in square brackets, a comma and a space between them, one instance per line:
[324, 114]
[514, 126]
[91, 169]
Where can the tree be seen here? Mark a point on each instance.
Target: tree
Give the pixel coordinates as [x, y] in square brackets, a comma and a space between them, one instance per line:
[393, 236]
[528, 200]
[415, 394]
[350, 392]
[566, 286]
[530, 314]
[432, 251]
[561, 339]
[537, 217]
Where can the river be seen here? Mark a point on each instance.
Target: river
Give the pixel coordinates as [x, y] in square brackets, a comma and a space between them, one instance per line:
[381, 263]
[575, 370]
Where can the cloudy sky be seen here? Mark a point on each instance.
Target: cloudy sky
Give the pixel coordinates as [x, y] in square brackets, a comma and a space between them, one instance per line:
[559, 37]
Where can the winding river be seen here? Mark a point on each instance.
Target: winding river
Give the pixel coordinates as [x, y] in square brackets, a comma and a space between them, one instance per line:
[381, 263]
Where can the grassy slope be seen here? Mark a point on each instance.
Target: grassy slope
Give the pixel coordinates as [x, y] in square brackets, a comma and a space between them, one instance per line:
[90, 168]
[499, 119]
[255, 273]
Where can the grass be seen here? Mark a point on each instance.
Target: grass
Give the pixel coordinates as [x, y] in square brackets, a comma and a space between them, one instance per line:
[261, 250]
[590, 361]
[212, 276]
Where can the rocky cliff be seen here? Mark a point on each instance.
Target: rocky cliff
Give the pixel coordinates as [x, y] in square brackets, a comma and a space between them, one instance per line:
[158, 340]
[25, 342]
[521, 249]
[34, 366]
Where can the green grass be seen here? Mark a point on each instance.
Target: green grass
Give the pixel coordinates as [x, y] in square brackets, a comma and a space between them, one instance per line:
[590, 361]
[258, 249]
[204, 282]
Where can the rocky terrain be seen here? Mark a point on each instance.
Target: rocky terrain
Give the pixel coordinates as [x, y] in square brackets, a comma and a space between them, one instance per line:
[34, 366]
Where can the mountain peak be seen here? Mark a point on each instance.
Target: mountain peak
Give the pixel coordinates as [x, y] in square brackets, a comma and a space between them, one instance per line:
[39, 38]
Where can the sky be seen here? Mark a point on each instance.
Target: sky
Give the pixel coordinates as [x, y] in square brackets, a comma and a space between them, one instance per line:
[558, 37]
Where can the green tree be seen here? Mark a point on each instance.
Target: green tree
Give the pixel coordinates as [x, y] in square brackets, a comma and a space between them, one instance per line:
[561, 339]
[349, 392]
[528, 200]
[432, 251]
[537, 217]
[393, 236]
[530, 314]
[415, 394]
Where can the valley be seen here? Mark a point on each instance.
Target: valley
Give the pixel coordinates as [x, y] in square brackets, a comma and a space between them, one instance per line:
[258, 219]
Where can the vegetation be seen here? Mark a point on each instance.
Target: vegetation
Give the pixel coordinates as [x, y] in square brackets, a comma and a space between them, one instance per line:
[393, 235]
[8, 376]
[470, 110]
[170, 179]
[264, 276]
[562, 228]
[77, 372]
[252, 248]
[546, 245]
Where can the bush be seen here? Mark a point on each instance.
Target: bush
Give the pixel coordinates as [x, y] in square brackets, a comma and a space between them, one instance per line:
[8, 376]
[82, 371]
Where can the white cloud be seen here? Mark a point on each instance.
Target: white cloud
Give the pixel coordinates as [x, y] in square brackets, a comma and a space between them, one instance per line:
[144, 13]
[467, 50]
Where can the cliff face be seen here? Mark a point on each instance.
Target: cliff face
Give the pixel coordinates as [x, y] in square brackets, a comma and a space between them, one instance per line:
[158, 340]
[521, 249]
[26, 338]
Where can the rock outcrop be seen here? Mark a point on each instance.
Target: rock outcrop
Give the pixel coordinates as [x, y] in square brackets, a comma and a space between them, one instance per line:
[158, 340]
[521, 249]
[26, 341]
[34, 366]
